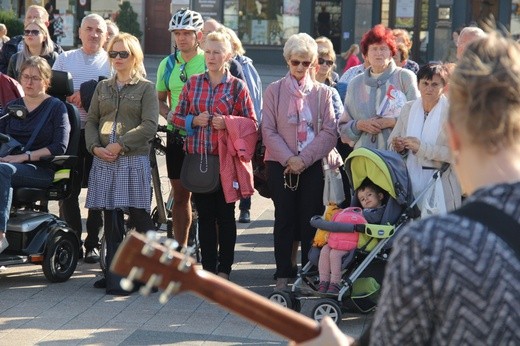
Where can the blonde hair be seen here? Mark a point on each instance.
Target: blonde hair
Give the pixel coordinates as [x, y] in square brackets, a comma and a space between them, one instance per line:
[47, 45]
[236, 44]
[300, 44]
[131, 43]
[221, 35]
[44, 15]
[485, 93]
[404, 35]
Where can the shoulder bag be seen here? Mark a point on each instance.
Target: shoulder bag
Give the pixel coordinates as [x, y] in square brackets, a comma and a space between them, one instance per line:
[200, 173]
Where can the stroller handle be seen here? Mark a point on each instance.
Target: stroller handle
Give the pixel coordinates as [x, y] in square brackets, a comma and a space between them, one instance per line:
[372, 230]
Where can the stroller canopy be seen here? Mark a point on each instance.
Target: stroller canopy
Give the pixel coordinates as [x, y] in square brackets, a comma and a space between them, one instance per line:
[385, 168]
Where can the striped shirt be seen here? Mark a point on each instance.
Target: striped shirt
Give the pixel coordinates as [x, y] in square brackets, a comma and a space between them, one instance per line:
[83, 67]
[451, 281]
[229, 97]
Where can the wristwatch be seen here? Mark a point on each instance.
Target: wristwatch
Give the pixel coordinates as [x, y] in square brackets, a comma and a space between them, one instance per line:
[28, 152]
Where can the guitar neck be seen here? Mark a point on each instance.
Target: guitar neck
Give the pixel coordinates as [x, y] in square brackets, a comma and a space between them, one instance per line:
[148, 257]
[283, 321]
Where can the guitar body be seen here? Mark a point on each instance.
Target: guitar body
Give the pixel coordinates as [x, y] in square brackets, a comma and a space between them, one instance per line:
[156, 265]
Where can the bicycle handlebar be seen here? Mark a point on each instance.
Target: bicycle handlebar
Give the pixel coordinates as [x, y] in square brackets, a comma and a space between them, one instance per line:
[165, 128]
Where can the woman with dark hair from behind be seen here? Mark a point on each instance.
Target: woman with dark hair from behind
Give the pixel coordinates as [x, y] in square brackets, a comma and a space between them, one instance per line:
[453, 280]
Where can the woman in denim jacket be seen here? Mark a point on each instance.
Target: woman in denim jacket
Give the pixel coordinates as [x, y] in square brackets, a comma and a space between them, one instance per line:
[122, 119]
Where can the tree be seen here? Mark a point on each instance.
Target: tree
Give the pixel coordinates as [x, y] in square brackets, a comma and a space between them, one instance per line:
[127, 20]
[13, 24]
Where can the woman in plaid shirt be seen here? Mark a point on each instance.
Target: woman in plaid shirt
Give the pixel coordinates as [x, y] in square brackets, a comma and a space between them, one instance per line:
[206, 104]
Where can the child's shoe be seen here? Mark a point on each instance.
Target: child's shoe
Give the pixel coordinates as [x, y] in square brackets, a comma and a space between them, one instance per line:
[323, 287]
[334, 288]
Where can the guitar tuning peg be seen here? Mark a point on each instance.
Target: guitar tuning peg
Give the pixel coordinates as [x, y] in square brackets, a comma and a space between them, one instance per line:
[128, 282]
[171, 243]
[152, 237]
[185, 265]
[172, 289]
[154, 280]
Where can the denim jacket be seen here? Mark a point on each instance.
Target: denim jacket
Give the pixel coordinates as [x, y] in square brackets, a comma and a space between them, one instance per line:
[134, 109]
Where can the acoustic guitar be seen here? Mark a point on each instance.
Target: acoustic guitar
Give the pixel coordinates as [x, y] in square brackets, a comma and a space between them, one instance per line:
[143, 259]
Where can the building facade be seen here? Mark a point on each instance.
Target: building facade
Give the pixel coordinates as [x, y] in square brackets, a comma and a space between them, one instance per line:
[264, 25]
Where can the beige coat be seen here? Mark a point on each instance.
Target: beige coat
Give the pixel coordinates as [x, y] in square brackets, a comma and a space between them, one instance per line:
[439, 153]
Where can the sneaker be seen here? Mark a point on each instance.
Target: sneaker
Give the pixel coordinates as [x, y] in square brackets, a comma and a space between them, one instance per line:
[92, 256]
[334, 288]
[4, 244]
[245, 216]
[323, 287]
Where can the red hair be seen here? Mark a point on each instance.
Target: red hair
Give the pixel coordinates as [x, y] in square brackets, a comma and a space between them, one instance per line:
[377, 35]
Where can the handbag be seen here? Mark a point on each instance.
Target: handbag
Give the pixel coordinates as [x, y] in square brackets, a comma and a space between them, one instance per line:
[200, 173]
[333, 191]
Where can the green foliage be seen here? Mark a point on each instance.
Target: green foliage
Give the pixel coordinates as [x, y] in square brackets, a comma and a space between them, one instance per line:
[127, 20]
[13, 24]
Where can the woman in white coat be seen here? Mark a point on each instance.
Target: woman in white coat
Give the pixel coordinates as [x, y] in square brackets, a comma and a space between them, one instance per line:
[419, 135]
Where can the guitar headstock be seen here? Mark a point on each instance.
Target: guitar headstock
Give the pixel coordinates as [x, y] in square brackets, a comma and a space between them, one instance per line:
[142, 258]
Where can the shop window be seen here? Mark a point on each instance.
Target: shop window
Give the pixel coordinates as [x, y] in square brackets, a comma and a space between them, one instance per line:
[263, 22]
[515, 19]
[327, 19]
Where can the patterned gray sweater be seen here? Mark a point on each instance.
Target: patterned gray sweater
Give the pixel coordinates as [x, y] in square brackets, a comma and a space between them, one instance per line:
[452, 282]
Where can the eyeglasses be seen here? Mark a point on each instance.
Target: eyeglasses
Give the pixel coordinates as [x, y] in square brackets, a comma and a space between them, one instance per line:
[183, 76]
[322, 61]
[298, 62]
[123, 54]
[31, 32]
[31, 78]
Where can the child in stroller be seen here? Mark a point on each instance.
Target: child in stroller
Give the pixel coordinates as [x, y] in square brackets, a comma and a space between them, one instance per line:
[340, 245]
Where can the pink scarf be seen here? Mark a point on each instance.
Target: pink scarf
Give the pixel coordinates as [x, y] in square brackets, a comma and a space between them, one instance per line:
[298, 93]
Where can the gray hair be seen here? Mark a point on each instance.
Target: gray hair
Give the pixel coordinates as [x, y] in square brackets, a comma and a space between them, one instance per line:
[300, 44]
[96, 17]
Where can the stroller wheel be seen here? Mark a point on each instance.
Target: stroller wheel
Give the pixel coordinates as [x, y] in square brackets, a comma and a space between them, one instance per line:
[327, 307]
[285, 299]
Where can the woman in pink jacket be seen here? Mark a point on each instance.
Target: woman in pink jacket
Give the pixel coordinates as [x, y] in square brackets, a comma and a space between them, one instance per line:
[298, 129]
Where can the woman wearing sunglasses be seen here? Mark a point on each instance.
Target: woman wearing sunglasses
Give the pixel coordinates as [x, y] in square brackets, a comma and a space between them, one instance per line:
[374, 98]
[296, 141]
[326, 63]
[122, 119]
[36, 42]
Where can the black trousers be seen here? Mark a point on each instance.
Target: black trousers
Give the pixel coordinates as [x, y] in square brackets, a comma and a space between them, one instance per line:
[217, 246]
[293, 211]
[70, 209]
[115, 232]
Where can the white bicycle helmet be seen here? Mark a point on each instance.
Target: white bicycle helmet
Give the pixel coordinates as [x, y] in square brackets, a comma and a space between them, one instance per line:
[186, 20]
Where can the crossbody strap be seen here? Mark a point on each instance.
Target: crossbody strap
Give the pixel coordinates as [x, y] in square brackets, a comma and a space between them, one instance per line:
[498, 222]
[37, 130]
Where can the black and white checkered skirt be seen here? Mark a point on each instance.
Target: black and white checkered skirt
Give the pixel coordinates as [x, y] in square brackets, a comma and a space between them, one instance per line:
[120, 184]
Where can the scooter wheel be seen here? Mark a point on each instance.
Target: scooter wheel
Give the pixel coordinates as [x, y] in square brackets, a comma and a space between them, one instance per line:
[61, 257]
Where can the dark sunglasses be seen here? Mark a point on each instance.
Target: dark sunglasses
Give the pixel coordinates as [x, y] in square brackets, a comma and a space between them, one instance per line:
[183, 76]
[298, 62]
[123, 54]
[322, 61]
[31, 32]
